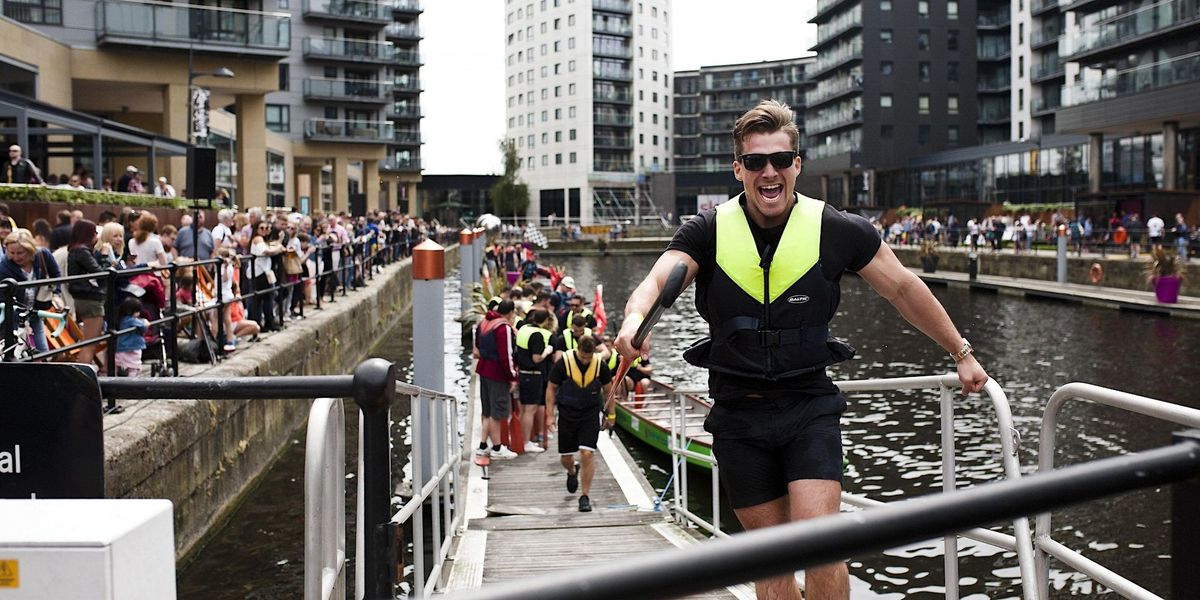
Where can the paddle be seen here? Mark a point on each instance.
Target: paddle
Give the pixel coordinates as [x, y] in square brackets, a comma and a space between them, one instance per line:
[666, 298]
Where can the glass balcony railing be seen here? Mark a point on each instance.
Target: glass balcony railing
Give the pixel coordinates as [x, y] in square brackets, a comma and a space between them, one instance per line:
[1040, 5]
[837, 145]
[405, 110]
[1184, 69]
[407, 6]
[612, 166]
[347, 89]
[601, 25]
[617, 119]
[995, 114]
[1046, 103]
[764, 80]
[1045, 36]
[612, 96]
[1149, 19]
[832, 119]
[404, 31]
[993, 84]
[406, 83]
[344, 130]
[599, 48]
[205, 28]
[839, 54]
[408, 138]
[1047, 69]
[992, 51]
[350, 49]
[612, 73]
[831, 87]
[1000, 18]
[850, 19]
[353, 10]
[408, 57]
[617, 6]
[612, 142]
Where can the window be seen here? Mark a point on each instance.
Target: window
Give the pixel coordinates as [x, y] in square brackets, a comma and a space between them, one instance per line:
[885, 36]
[885, 4]
[1021, 130]
[952, 9]
[543, 27]
[558, 114]
[570, 43]
[923, 39]
[571, 134]
[951, 39]
[558, 91]
[923, 71]
[885, 67]
[558, 136]
[923, 104]
[1021, 100]
[922, 134]
[545, 93]
[654, 140]
[952, 71]
[279, 117]
[45, 12]
[571, 66]
[571, 158]
[571, 112]
[557, 23]
[571, 89]
[885, 132]
[923, 8]
[641, 117]
[545, 116]
[545, 159]
[557, 45]
[570, 20]
[545, 137]
[1020, 66]
[952, 104]
[285, 74]
[557, 68]
[641, 138]
[952, 134]
[885, 101]
[558, 158]
[654, 118]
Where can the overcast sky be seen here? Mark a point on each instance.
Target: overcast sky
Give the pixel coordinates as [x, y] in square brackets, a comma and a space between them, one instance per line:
[463, 77]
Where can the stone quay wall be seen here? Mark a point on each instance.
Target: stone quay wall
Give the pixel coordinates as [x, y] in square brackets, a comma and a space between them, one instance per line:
[204, 454]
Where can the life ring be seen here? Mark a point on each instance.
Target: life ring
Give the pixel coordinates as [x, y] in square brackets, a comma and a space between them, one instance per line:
[639, 393]
[1096, 273]
[1120, 236]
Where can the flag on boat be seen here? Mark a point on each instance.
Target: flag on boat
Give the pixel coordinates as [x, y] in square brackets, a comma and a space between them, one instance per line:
[598, 310]
[534, 236]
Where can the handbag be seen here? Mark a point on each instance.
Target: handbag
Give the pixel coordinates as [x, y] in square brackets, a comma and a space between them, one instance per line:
[291, 264]
[46, 297]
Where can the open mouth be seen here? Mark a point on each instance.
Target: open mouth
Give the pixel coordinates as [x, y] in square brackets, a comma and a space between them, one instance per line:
[770, 192]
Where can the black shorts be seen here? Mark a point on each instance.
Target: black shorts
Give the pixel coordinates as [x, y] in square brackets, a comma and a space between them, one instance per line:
[763, 444]
[531, 389]
[578, 430]
[495, 398]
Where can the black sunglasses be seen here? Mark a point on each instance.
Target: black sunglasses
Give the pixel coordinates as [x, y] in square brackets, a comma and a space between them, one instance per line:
[758, 162]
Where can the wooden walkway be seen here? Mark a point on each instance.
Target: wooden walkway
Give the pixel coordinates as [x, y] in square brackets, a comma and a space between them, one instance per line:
[522, 522]
[1106, 297]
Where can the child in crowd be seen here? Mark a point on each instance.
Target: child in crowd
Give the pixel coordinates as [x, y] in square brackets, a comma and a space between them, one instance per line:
[130, 344]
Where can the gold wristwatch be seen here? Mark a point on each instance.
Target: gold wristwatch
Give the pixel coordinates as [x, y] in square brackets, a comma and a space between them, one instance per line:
[966, 349]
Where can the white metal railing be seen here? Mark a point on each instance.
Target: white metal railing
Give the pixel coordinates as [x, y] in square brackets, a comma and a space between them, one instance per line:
[1044, 546]
[325, 501]
[433, 489]
[681, 449]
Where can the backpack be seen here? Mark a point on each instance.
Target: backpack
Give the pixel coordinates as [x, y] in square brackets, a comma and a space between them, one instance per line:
[192, 351]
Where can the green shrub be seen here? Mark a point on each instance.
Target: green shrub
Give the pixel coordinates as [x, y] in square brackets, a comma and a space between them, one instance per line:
[39, 193]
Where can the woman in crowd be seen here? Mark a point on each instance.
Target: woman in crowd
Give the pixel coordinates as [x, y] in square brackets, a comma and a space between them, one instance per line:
[146, 247]
[41, 233]
[264, 248]
[88, 293]
[24, 261]
[112, 244]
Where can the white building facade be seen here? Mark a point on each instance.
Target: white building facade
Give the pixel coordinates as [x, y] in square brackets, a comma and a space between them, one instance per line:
[588, 87]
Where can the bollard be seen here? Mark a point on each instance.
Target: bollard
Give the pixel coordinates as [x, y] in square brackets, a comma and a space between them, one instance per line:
[466, 253]
[1185, 528]
[429, 349]
[1062, 254]
[374, 390]
[972, 266]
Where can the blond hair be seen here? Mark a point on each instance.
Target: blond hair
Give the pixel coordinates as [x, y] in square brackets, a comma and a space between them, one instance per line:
[768, 116]
[111, 233]
[23, 238]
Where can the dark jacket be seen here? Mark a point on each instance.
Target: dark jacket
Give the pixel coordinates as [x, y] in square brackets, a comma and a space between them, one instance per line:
[22, 172]
[79, 262]
[44, 267]
[60, 236]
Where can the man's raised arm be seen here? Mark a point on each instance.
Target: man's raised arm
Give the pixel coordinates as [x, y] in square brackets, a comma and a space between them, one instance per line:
[645, 295]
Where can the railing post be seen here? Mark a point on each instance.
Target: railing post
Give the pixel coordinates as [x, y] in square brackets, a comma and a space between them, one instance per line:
[949, 485]
[374, 390]
[429, 368]
[172, 342]
[110, 316]
[1185, 529]
[220, 297]
[10, 317]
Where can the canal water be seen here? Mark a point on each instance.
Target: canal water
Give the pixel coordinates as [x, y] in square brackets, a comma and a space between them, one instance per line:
[892, 440]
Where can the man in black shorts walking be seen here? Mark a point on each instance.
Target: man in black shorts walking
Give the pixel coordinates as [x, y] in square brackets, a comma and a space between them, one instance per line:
[767, 266]
[578, 387]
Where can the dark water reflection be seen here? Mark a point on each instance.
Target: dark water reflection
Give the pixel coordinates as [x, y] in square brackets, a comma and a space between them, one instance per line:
[892, 439]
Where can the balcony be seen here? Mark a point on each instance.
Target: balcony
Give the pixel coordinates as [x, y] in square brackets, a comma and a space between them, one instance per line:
[1185, 69]
[830, 89]
[347, 90]
[1135, 26]
[825, 8]
[354, 11]
[401, 164]
[611, 50]
[848, 21]
[412, 7]
[615, 119]
[624, 7]
[403, 31]
[992, 85]
[831, 120]
[1041, 6]
[350, 50]
[622, 142]
[611, 27]
[739, 81]
[996, 20]
[839, 55]
[1047, 71]
[612, 73]
[837, 146]
[408, 58]
[408, 138]
[993, 115]
[404, 110]
[992, 52]
[612, 97]
[342, 130]
[406, 84]
[207, 29]
[1045, 37]
[1046, 104]
[612, 166]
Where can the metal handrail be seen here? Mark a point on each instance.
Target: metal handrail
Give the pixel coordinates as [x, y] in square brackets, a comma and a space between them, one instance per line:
[796, 545]
[1044, 545]
[1021, 543]
[325, 501]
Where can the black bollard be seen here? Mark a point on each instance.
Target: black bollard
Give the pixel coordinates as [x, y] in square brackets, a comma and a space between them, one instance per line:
[972, 266]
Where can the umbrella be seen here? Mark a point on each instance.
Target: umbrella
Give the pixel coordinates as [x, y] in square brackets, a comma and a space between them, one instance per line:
[488, 221]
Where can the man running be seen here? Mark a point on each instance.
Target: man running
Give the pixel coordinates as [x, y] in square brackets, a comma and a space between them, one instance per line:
[767, 266]
[578, 388]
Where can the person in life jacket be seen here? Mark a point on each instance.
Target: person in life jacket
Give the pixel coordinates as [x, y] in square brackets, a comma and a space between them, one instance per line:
[569, 338]
[638, 370]
[577, 309]
[495, 349]
[533, 360]
[767, 266]
[578, 388]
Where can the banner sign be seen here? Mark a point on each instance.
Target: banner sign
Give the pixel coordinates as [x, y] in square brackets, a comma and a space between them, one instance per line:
[51, 438]
[199, 107]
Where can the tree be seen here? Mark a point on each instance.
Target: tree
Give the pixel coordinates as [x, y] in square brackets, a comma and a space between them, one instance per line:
[509, 197]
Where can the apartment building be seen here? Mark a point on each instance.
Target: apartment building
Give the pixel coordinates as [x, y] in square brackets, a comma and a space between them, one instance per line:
[588, 86]
[303, 99]
[708, 102]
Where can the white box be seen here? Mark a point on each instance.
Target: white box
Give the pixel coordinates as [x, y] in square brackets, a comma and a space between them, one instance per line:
[87, 549]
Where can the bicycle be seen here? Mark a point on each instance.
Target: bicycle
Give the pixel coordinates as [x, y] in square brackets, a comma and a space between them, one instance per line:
[24, 348]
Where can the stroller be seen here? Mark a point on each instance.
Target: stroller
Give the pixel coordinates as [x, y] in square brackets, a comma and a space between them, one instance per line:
[149, 288]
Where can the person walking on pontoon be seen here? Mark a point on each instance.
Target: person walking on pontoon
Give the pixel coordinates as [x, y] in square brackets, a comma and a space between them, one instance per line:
[578, 388]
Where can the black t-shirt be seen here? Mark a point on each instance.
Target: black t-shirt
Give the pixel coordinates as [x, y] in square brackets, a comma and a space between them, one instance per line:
[537, 344]
[848, 243]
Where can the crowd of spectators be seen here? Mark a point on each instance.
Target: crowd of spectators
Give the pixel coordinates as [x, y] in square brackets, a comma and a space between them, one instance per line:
[263, 267]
